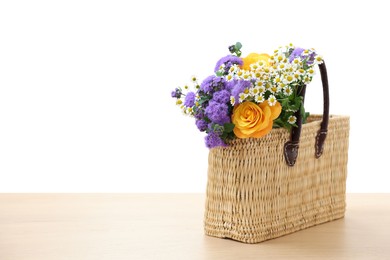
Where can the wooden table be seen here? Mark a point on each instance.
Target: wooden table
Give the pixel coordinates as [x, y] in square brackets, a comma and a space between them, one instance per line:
[169, 226]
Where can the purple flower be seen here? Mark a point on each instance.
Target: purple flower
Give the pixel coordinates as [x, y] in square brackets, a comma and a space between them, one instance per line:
[201, 124]
[228, 61]
[222, 96]
[213, 140]
[176, 93]
[298, 53]
[295, 54]
[199, 113]
[239, 87]
[217, 113]
[190, 99]
[212, 83]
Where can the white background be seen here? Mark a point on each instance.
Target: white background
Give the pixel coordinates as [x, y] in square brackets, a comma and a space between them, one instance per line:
[85, 86]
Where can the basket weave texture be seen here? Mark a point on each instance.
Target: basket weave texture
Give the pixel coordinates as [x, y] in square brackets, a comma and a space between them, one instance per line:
[253, 195]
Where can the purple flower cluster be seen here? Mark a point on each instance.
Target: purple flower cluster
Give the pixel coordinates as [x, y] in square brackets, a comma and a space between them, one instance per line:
[228, 61]
[212, 84]
[298, 53]
[222, 96]
[201, 125]
[218, 112]
[190, 99]
[213, 140]
[211, 105]
[176, 93]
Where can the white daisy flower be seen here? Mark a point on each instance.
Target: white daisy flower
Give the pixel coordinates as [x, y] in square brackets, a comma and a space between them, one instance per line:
[260, 63]
[239, 73]
[307, 80]
[287, 91]
[254, 66]
[232, 100]
[292, 119]
[282, 66]
[274, 89]
[311, 72]
[288, 79]
[229, 77]
[261, 89]
[318, 59]
[272, 100]
[257, 74]
[254, 91]
[259, 83]
[242, 97]
[246, 75]
[305, 52]
[259, 99]
[277, 80]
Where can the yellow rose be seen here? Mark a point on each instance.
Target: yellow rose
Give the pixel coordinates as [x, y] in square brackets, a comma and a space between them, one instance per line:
[253, 120]
[254, 57]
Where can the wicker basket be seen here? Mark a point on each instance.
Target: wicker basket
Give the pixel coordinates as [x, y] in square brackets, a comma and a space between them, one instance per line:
[254, 195]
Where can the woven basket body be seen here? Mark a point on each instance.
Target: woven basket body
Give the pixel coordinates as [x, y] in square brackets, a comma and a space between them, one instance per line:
[253, 195]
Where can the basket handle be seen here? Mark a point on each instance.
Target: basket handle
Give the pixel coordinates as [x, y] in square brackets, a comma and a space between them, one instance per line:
[291, 147]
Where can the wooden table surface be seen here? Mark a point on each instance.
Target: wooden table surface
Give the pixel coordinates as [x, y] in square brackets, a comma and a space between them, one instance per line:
[169, 226]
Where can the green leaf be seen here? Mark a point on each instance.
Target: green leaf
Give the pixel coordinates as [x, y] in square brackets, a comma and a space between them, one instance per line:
[228, 127]
[304, 119]
[278, 122]
[224, 136]
[219, 73]
[204, 99]
[302, 111]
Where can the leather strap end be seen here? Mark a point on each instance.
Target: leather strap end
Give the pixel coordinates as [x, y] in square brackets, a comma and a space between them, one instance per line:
[320, 140]
[291, 152]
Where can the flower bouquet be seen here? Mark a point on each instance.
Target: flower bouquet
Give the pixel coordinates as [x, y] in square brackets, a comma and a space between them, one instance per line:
[247, 97]
[252, 111]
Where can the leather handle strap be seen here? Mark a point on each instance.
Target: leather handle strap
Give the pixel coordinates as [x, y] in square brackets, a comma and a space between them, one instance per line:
[291, 147]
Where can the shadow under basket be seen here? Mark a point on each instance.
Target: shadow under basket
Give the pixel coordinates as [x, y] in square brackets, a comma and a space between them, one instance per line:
[253, 195]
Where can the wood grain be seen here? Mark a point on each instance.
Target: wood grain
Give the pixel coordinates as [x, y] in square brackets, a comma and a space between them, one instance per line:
[170, 226]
